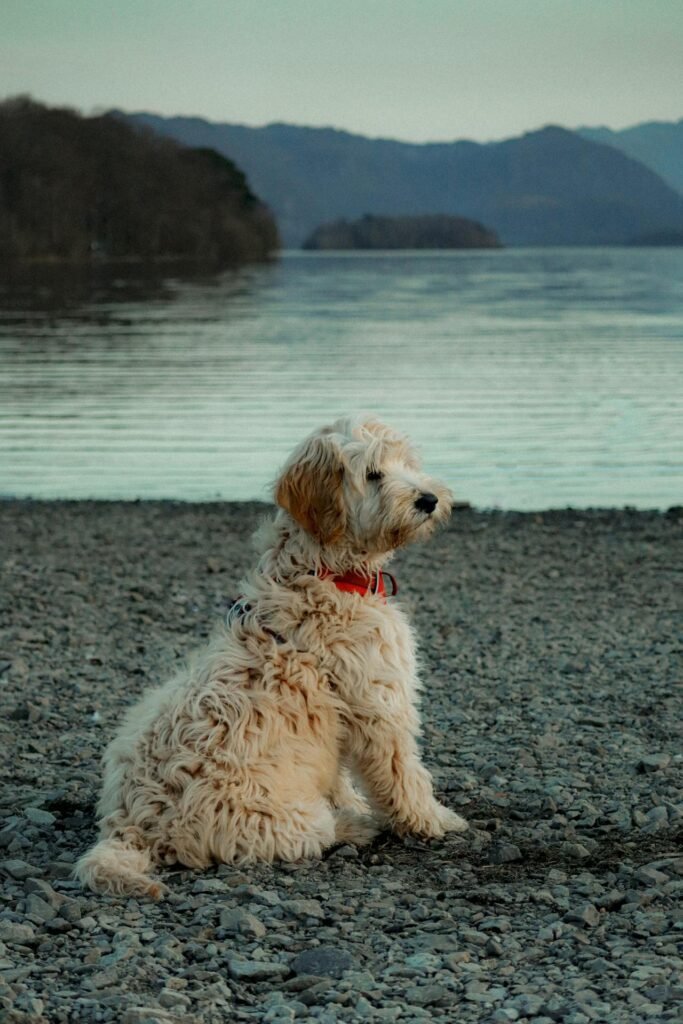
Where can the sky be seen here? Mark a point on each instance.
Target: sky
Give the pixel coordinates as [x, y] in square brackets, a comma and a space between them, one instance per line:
[419, 71]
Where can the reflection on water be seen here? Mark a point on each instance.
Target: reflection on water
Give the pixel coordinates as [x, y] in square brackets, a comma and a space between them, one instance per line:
[530, 378]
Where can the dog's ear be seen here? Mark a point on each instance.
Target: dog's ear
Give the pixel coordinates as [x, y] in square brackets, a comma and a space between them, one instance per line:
[311, 489]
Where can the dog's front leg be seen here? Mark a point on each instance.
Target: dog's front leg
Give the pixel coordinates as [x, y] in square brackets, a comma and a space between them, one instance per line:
[385, 751]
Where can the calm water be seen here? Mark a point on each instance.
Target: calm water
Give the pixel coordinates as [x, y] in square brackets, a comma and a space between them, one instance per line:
[529, 378]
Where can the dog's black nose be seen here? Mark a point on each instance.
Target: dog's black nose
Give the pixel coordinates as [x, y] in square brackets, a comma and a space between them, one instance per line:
[427, 502]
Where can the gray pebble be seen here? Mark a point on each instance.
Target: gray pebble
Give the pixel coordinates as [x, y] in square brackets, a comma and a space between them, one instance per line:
[241, 922]
[653, 762]
[255, 970]
[587, 915]
[39, 817]
[16, 934]
[425, 995]
[655, 820]
[504, 853]
[18, 869]
[328, 961]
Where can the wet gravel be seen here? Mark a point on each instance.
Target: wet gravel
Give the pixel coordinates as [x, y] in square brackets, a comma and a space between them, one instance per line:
[551, 646]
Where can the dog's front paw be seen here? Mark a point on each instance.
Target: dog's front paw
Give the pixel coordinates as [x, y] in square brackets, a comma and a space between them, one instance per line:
[432, 823]
[450, 821]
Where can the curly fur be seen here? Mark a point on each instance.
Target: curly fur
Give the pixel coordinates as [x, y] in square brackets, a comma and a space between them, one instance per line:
[251, 752]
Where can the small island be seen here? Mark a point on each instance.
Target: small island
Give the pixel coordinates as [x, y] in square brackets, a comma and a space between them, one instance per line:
[80, 189]
[429, 231]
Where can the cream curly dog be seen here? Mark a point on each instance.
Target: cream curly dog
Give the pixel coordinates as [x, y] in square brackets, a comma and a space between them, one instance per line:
[248, 754]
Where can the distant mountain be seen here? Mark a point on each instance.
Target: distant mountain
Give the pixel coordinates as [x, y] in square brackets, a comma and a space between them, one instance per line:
[657, 144]
[81, 189]
[549, 187]
[435, 231]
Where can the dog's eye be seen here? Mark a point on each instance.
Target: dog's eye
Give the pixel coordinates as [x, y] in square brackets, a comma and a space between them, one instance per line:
[374, 474]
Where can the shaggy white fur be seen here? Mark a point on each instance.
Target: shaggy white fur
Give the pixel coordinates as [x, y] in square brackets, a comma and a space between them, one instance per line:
[251, 752]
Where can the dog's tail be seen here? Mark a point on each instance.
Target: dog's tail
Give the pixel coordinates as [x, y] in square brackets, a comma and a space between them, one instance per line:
[117, 865]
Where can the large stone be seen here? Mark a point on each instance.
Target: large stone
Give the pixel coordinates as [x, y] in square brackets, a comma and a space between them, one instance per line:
[242, 923]
[17, 934]
[304, 908]
[653, 762]
[655, 820]
[18, 869]
[39, 910]
[146, 1015]
[255, 970]
[586, 915]
[425, 995]
[323, 961]
[39, 817]
[504, 853]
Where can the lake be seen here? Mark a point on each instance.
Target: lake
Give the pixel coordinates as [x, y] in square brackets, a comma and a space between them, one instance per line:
[530, 378]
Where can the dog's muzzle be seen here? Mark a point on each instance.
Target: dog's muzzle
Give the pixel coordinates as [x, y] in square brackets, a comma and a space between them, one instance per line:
[427, 502]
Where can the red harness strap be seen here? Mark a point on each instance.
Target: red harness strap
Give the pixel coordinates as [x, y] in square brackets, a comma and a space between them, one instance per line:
[354, 582]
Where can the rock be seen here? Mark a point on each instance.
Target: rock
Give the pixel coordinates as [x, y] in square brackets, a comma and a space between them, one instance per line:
[145, 1015]
[45, 891]
[71, 910]
[238, 921]
[495, 924]
[424, 962]
[39, 817]
[586, 915]
[528, 1005]
[17, 934]
[574, 851]
[655, 820]
[255, 970]
[344, 852]
[18, 869]
[172, 1000]
[504, 853]
[364, 1009]
[210, 886]
[323, 961]
[254, 894]
[425, 995]
[480, 992]
[304, 908]
[651, 877]
[493, 948]
[38, 910]
[653, 762]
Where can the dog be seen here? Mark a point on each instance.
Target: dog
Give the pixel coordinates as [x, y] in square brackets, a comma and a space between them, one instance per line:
[255, 749]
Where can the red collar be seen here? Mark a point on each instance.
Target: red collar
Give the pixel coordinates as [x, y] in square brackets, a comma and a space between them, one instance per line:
[355, 582]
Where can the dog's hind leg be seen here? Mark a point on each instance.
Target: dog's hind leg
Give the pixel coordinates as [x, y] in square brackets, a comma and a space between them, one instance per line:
[291, 834]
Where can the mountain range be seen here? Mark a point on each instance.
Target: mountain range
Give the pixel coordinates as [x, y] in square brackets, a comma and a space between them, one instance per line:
[657, 144]
[547, 187]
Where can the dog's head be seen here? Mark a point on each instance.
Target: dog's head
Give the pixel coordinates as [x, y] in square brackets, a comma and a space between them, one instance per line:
[358, 485]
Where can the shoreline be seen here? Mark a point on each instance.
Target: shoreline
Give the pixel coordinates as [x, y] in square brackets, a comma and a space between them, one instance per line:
[551, 659]
[258, 503]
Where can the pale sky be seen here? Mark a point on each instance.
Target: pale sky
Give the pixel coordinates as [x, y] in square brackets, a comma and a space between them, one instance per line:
[419, 71]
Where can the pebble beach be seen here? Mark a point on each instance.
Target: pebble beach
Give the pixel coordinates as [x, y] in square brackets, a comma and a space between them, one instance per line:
[552, 654]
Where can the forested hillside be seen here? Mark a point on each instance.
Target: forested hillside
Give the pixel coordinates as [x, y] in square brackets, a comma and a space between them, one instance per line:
[83, 188]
